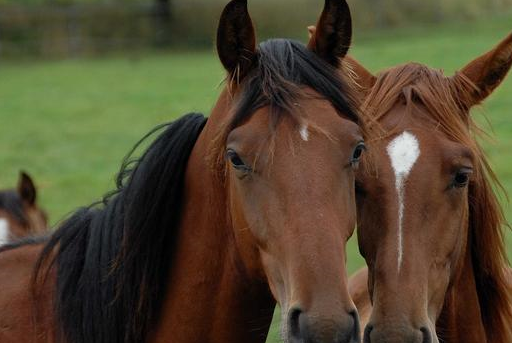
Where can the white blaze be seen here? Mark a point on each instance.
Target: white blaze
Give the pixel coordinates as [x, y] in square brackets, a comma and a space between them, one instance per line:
[304, 133]
[403, 151]
[4, 231]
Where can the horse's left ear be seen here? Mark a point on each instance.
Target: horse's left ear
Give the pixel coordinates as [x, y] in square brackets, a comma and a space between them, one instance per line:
[236, 40]
[333, 34]
[27, 189]
[488, 71]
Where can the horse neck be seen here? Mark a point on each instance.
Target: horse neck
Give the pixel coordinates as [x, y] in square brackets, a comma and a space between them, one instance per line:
[461, 319]
[210, 298]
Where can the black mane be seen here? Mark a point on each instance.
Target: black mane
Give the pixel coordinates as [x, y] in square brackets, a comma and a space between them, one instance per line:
[284, 68]
[113, 258]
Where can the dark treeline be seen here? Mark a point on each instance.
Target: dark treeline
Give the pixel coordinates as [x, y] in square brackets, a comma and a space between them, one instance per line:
[62, 28]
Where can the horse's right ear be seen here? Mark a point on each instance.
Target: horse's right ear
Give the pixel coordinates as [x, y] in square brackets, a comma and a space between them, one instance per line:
[362, 76]
[236, 40]
[333, 34]
[488, 71]
[27, 189]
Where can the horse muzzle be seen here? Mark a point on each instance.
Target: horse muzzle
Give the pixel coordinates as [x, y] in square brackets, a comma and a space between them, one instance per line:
[397, 334]
[304, 327]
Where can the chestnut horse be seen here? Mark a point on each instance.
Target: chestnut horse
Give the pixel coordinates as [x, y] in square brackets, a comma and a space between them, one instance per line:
[20, 216]
[429, 222]
[219, 218]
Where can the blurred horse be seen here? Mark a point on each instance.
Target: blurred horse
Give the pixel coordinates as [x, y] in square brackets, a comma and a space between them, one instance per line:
[20, 215]
[219, 218]
[429, 222]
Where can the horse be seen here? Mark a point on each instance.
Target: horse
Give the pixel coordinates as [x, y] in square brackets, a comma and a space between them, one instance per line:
[429, 222]
[219, 219]
[20, 215]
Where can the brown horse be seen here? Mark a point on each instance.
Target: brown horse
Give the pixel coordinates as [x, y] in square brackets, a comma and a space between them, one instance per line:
[20, 216]
[429, 222]
[217, 220]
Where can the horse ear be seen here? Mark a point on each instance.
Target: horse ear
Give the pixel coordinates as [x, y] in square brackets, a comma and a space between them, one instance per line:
[488, 71]
[27, 189]
[333, 34]
[236, 40]
[363, 77]
[311, 31]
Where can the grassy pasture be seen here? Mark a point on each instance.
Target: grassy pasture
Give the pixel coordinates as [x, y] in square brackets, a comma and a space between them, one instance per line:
[69, 123]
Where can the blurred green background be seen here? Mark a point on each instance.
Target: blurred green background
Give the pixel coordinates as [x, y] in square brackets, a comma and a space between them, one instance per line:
[63, 28]
[72, 106]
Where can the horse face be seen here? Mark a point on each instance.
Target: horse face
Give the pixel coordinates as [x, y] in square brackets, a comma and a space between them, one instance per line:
[290, 169]
[413, 209]
[412, 228]
[294, 209]
[20, 216]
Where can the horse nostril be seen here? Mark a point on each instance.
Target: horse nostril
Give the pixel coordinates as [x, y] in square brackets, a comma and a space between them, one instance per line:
[297, 324]
[427, 335]
[367, 332]
[356, 328]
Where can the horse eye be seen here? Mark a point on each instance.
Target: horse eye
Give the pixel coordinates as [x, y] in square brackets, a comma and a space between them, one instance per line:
[236, 161]
[461, 178]
[358, 152]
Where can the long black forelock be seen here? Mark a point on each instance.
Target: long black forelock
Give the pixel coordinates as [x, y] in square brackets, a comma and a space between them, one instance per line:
[284, 69]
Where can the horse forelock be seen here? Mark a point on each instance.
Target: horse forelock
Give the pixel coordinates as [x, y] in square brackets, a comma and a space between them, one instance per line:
[444, 100]
[284, 69]
[286, 72]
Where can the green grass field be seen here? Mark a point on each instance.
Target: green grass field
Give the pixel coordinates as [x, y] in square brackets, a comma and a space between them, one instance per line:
[69, 123]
